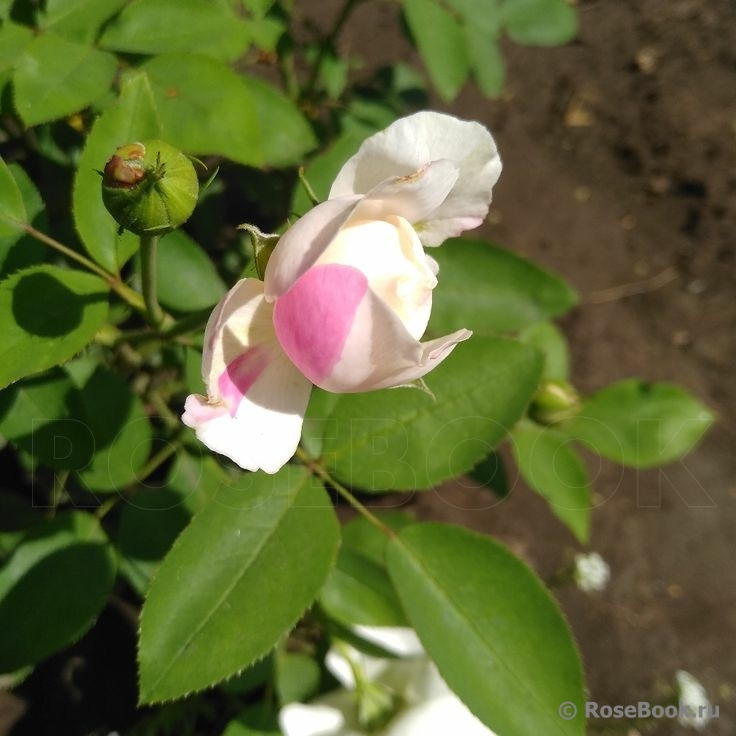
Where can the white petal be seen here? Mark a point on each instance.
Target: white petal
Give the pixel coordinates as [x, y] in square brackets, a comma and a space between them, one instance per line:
[303, 243]
[439, 717]
[398, 640]
[379, 352]
[310, 720]
[410, 144]
[256, 397]
[415, 197]
[388, 253]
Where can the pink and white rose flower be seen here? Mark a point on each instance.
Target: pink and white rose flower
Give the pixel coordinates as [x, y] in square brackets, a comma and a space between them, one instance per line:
[347, 292]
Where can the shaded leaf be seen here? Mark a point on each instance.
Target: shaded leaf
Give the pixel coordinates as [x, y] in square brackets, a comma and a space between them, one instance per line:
[548, 338]
[52, 587]
[48, 314]
[540, 22]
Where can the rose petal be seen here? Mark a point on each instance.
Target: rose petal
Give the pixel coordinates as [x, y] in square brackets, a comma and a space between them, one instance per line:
[310, 720]
[414, 197]
[438, 717]
[379, 352]
[410, 144]
[256, 397]
[303, 243]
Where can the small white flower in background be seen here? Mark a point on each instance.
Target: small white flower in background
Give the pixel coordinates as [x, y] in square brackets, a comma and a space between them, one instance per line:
[591, 572]
[347, 292]
[692, 694]
[404, 696]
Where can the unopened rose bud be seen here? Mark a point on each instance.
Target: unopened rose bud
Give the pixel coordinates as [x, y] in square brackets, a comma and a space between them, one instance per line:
[554, 400]
[150, 187]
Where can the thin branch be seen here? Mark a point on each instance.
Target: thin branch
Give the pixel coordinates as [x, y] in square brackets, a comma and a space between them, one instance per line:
[632, 289]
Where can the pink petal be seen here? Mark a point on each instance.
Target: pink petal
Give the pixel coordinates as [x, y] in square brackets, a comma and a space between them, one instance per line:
[303, 243]
[313, 319]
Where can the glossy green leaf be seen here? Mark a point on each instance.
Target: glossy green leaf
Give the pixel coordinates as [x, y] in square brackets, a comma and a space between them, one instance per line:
[206, 108]
[439, 36]
[78, 20]
[117, 420]
[14, 38]
[171, 26]
[540, 22]
[489, 290]
[550, 466]
[17, 249]
[43, 417]
[297, 677]
[52, 587]
[55, 77]
[405, 439]
[495, 633]
[48, 314]
[362, 537]
[12, 208]
[17, 516]
[491, 473]
[253, 560]
[152, 519]
[640, 424]
[187, 280]
[358, 591]
[549, 339]
[486, 61]
[132, 118]
[257, 720]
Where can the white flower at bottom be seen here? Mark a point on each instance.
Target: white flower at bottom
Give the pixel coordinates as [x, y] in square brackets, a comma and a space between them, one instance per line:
[692, 695]
[423, 704]
[591, 572]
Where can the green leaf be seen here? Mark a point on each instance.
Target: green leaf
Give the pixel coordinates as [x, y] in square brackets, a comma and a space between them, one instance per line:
[358, 591]
[551, 467]
[441, 42]
[206, 108]
[489, 290]
[14, 38]
[323, 168]
[362, 537]
[549, 339]
[540, 22]
[132, 118]
[297, 677]
[491, 473]
[11, 203]
[55, 77]
[117, 420]
[495, 633]
[171, 26]
[42, 416]
[48, 314]
[187, 280]
[52, 588]
[78, 20]
[152, 519]
[486, 61]
[237, 579]
[19, 250]
[256, 720]
[17, 516]
[639, 424]
[404, 439]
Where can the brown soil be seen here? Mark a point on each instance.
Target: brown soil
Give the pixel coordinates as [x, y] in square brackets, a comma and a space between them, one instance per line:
[620, 167]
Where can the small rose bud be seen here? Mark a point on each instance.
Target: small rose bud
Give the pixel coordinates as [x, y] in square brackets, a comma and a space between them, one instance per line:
[554, 400]
[149, 188]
